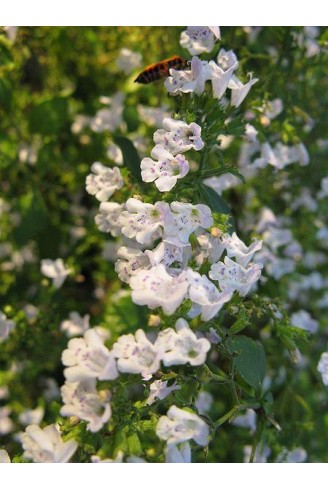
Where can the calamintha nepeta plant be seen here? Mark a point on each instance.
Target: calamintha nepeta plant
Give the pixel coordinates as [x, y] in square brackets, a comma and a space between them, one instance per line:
[145, 392]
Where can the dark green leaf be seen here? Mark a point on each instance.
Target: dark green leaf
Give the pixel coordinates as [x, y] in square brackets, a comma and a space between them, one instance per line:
[34, 217]
[213, 200]
[241, 322]
[130, 156]
[250, 359]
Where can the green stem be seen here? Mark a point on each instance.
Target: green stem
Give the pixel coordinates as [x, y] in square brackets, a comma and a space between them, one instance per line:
[256, 440]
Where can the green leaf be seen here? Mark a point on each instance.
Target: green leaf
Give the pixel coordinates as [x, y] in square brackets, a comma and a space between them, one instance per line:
[122, 315]
[213, 200]
[250, 359]
[134, 444]
[241, 322]
[49, 116]
[130, 156]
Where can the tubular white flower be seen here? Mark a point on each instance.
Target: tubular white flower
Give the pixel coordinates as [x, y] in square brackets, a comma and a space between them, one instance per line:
[4, 456]
[144, 221]
[187, 218]
[178, 454]
[136, 354]
[128, 60]
[104, 181]
[323, 367]
[220, 78]
[55, 270]
[182, 346]
[82, 400]
[6, 326]
[210, 248]
[180, 426]
[46, 445]
[75, 325]
[237, 248]
[239, 90]
[156, 287]
[167, 253]
[109, 119]
[207, 299]
[200, 39]
[188, 81]
[88, 357]
[159, 390]
[178, 136]
[233, 277]
[108, 219]
[129, 261]
[166, 171]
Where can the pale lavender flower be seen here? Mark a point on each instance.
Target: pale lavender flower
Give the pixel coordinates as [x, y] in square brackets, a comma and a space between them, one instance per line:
[108, 219]
[55, 270]
[88, 357]
[46, 445]
[6, 326]
[207, 299]
[166, 171]
[104, 181]
[188, 81]
[199, 39]
[233, 277]
[323, 367]
[236, 248]
[187, 218]
[82, 400]
[180, 453]
[159, 390]
[178, 136]
[129, 261]
[75, 325]
[128, 60]
[180, 426]
[302, 319]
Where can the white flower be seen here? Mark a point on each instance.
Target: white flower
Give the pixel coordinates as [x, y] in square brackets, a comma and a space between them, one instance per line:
[220, 78]
[104, 181]
[114, 153]
[143, 221]
[166, 171]
[223, 182]
[188, 81]
[128, 60]
[6, 326]
[277, 237]
[182, 346]
[55, 270]
[251, 133]
[297, 455]
[204, 402]
[247, 420]
[129, 261]
[323, 367]
[167, 253]
[237, 248]
[6, 424]
[199, 39]
[159, 390]
[31, 416]
[46, 445]
[181, 426]
[75, 325]
[302, 319]
[239, 90]
[156, 287]
[178, 454]
[210, 248]
[111, 118]
[324, 188]
[302, 155]
[4, 456]
[187, 218]
[88, 357]
[233, 277]
[108, 220]
[82, 400]
[178, 136]
[207, 299]
[226, 59]
[136, 354]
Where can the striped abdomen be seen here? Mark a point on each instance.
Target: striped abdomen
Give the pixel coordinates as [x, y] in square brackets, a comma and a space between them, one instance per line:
[160, 70]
